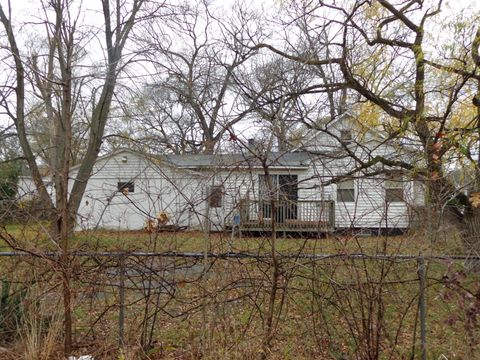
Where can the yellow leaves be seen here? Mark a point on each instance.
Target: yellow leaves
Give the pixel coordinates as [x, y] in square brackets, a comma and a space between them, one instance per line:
[475, 199]
[463, 115]
[369, 114]
[22, 204]
[375, 66]
[375, 11]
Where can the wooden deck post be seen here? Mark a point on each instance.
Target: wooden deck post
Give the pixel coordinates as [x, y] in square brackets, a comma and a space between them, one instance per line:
[331, 215]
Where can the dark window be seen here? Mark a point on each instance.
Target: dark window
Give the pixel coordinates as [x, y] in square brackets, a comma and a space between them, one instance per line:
[346, 135]
[284, 191]
[346, 191]
[268, 190]
[215, 198]
[126, 187]
[268, 187]
[288, 195]
[394, 189]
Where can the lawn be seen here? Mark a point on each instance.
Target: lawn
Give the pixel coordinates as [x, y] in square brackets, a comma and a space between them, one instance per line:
[35, 236]
[177, 308]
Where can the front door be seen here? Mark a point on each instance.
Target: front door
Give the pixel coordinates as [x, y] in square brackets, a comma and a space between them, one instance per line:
[283, 189]
[288, 195]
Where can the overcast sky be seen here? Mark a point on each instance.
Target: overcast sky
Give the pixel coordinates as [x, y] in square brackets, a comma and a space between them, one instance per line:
[30, 11]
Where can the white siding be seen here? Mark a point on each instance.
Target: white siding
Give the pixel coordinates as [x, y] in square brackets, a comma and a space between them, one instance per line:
[158, 188]
[26, 189]
[369, 210]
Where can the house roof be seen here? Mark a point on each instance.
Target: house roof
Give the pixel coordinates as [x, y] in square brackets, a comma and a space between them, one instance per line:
[292, 160]
[273, 159]
[110, 155]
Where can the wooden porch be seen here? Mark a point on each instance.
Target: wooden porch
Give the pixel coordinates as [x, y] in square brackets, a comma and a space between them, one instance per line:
[287, 215]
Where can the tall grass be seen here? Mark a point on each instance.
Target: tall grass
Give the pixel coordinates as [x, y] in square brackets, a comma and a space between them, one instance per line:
[40, 330]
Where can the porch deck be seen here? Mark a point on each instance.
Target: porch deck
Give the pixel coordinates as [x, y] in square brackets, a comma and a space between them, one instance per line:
[287, 216]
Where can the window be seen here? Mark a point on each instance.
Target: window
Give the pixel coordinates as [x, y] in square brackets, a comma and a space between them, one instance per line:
[268, 190]
[346, 136]
[215, 198]
[126, 187]
[346, 191]
[394, 189]
[284, 192]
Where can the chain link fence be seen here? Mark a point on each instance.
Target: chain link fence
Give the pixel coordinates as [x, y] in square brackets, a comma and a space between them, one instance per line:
[237, 305]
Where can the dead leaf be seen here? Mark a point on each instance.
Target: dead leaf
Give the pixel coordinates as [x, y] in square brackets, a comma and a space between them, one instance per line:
[475, 199]
[437, 146]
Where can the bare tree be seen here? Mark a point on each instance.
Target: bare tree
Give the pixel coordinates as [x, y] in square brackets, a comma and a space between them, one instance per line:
[56, 77]
[196, 54]
[158, 123]
[275, 90]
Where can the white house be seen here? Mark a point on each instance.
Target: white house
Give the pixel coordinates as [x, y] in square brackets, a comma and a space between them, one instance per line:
[311, 189]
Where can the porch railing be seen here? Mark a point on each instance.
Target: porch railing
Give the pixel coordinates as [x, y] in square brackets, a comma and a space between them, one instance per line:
[295, 215]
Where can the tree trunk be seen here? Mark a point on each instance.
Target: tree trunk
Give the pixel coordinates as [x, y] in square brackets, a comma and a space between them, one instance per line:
[67, 306]
[209, 146]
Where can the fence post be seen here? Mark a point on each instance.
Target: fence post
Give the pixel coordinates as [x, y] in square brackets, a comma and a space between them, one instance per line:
[121, 311]
[422, 306]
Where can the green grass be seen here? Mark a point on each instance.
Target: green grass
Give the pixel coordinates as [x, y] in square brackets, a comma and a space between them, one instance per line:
[35, 236]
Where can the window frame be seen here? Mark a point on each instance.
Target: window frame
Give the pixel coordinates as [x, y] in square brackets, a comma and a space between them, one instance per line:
[215, 196]
[342, 190]
[346, 136]
[129, 186]
[394, 189]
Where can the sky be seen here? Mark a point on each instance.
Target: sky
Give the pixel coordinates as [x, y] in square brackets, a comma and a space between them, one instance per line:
[29, 11]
